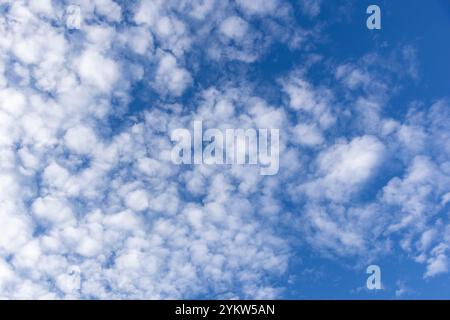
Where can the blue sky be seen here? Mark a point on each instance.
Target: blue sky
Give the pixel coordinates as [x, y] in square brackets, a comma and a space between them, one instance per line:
[403, 23]
[93, 207]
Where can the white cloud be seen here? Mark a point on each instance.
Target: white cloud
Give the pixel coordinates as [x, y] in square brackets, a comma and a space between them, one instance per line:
[170, 78]
[438, 264]
[52, 211]
[139, 39]
[413, 193]
[303, 97]
[258, 6]
[81, 140]
[97, 70]
[109, 9]
[352, 162]
[308, 135]
[234, 27]
[310, 7]
[137, 200]
[344, 167]
[42, 7]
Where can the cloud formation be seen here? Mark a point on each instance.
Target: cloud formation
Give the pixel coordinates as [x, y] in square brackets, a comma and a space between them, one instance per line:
[92, 206]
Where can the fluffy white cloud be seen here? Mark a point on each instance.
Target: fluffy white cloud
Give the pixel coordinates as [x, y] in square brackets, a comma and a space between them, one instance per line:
[234, 27]
[344, 167]
[438, 263]
[308, 135]
[137, 200]
[315, 102]
[352, 162]
[170, 78]
[52, 210]
[94, 69]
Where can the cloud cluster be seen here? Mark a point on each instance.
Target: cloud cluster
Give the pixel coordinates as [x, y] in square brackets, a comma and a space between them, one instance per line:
[90, 213]
[92, 206]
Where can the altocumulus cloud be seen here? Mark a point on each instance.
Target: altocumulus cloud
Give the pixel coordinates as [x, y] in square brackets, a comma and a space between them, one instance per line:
[91, 205]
